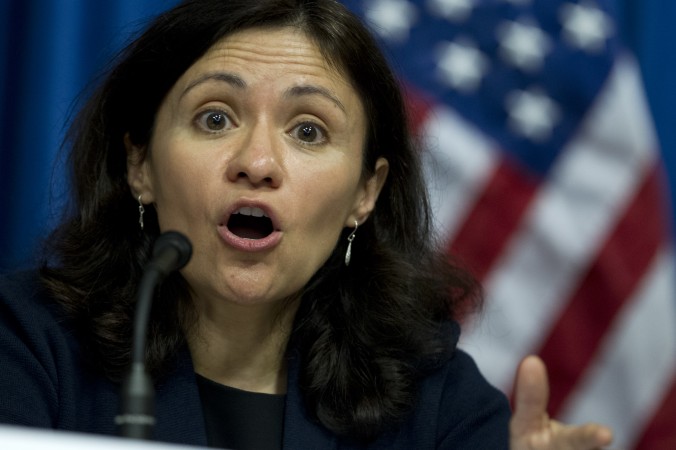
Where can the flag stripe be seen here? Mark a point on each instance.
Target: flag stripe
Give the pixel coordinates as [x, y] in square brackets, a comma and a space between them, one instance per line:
[574, 340]
[593, 179]
[494, 218]
[659, 433]
[418, 106]
[459, 161]
[626, 391]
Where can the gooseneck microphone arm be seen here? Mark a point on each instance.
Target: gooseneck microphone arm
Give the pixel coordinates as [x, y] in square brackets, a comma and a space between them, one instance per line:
[136, 418]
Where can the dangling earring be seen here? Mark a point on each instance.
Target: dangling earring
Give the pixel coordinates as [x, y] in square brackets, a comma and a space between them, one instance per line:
[350, 238]
[141, 210]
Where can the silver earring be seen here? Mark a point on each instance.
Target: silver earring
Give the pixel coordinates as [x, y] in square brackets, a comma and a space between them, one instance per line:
[350, 238]
[141, 210]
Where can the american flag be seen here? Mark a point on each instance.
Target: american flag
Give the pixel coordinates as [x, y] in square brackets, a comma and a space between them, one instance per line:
[546, 178]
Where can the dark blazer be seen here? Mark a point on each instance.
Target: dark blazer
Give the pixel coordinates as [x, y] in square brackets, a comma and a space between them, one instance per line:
[45, 383]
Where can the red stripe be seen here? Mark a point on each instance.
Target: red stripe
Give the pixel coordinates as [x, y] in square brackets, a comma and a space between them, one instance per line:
[494, 219]
[659, 434]
[611, 279]
[418, 105]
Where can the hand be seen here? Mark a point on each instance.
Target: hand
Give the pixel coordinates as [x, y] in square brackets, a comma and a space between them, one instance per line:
[532, 429]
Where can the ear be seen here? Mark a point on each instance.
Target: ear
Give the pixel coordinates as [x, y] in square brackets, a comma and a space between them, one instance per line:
[138, 175]
[369, 193]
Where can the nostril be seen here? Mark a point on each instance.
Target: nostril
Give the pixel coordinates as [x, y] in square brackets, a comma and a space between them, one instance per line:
[267, 180]
[252, 177]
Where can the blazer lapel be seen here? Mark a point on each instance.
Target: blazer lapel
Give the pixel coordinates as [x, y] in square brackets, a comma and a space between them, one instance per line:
[179, 410]
[300, 430]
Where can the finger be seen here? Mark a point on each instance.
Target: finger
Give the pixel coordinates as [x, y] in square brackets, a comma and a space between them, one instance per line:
[590, 435]
[530, 397]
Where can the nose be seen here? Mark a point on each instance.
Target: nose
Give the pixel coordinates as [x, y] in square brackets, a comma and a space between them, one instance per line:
[257, 160]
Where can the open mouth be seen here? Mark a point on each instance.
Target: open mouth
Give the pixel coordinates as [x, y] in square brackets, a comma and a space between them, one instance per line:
[250, 223]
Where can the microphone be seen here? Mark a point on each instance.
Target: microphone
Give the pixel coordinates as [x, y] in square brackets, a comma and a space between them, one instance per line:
[136, 419]
[171, 251]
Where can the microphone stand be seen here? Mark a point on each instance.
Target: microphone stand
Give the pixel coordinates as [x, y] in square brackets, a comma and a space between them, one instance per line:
[172, 251]
[137, 397]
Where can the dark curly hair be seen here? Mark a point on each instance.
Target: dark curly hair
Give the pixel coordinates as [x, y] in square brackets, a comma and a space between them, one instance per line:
[366, 333]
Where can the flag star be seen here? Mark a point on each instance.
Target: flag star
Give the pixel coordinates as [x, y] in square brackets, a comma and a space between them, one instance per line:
[461, 65]
[392, 19]
[532, 114]
[453, 10]
[523, 44]
[585, 26]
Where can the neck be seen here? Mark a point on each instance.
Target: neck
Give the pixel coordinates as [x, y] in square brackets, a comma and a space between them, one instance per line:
[243, 346]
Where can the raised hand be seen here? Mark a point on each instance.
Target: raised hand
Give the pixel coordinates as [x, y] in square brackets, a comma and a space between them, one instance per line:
[532, 429]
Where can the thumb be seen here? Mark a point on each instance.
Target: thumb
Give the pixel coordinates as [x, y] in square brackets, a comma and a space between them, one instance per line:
[530, 398]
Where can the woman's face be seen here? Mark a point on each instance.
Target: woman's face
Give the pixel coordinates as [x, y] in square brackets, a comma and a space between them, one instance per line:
[256, 156]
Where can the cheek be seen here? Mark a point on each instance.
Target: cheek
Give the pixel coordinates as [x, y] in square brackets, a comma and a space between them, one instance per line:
[179, 189]
[327, 200]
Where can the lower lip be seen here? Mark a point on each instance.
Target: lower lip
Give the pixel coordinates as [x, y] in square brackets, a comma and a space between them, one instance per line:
[249, 245]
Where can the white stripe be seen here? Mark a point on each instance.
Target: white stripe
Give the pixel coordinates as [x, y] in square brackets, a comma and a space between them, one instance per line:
[636, 364]
[586, 191]
[459, 161]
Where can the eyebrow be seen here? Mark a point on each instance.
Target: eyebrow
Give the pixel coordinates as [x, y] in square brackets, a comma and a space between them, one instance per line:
[237, 82]
[226, 77]
[309, 89]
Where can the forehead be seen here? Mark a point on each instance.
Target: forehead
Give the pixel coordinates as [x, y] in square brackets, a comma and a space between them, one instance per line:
[272, 52]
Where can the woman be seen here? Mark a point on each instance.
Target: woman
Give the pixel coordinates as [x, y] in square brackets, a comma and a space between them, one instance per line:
[316, 311]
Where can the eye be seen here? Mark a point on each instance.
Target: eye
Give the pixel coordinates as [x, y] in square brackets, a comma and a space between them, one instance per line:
[309, 133]
[213, 121]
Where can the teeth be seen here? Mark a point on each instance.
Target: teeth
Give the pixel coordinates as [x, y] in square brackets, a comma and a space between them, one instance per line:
[251, 211]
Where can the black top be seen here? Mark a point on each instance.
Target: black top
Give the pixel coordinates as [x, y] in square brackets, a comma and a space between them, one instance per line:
[46, 381]
[241, 420]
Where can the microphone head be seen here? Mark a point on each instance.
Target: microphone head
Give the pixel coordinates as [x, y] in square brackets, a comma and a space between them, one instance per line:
[177, 245]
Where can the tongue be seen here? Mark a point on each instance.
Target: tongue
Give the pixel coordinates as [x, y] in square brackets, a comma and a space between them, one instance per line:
[247, 233]
[249, 227]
